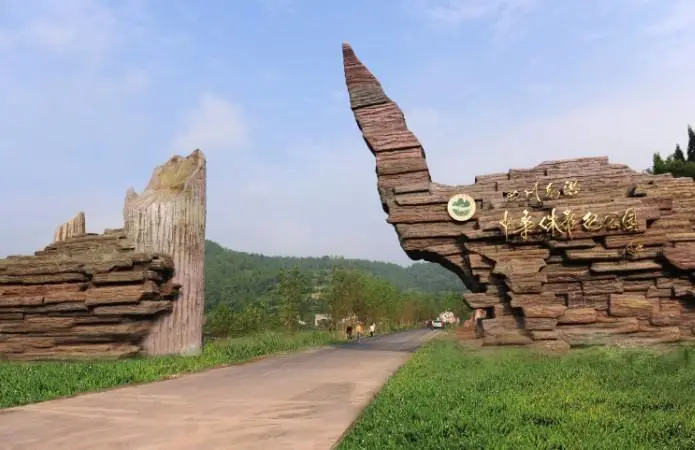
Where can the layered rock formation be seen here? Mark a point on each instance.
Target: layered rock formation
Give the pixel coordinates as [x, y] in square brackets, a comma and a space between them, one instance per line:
[116, 294]
[87, 296]
[572, 252]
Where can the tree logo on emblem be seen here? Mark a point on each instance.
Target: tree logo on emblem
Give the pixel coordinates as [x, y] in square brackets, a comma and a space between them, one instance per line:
[461, 207]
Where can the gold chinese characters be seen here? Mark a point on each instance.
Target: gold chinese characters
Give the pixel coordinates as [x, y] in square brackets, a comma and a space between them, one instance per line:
[564, 223]
[633, 249]
[548, 192]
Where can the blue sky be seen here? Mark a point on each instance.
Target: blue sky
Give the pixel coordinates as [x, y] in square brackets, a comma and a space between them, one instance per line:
[97, 93]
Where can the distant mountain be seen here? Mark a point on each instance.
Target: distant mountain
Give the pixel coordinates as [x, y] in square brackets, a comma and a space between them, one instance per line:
[239, 278]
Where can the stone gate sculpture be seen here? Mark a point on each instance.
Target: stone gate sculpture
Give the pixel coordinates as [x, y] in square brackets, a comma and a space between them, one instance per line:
[566, 253]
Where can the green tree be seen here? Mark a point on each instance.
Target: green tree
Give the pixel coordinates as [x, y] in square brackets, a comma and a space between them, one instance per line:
[291, 294]
[342, 293]
[676, 164]
[675, 167]
[380, 299]
[256, 318]
[658, 165]
[220, 321]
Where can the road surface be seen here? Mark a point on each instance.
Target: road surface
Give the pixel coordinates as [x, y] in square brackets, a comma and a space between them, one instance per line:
[299, 401]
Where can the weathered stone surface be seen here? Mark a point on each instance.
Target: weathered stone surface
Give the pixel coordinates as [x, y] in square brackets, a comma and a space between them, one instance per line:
[37, 324]
[74, 352]
[128, 276]
[143, 308]
[660, 336]
[132, 293]
[681, 257]
[169, 217]
[544, 335]
[507, 338]
[523, 300]
[498, 325]
[599, 333]
[655, 292]
[597, 247]
[637, 285]
[84, 296]
[667, 314]
[483, 300]
[601, 286]
[544, 311]
[631, 306]
[578, 316]
[72, 228]
[624, 266]
[540, 324]
[595, 254]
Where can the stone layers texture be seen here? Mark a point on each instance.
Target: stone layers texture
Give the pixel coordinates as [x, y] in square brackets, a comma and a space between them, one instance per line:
[567, 253]
[169, 217]
[84, 296]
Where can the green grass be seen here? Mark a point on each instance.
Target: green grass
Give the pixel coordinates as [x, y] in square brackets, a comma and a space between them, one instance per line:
[448, 397]
[22, 383]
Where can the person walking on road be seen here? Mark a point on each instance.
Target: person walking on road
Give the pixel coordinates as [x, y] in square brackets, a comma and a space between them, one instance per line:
[359, 331]
[372, 329]
[348, 331]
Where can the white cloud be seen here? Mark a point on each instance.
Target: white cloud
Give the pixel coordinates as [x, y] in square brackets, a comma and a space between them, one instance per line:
[88, 29]
[506, 15]
[214, 124]
[459, 11]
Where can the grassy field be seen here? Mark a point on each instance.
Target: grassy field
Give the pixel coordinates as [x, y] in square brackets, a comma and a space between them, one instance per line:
[447, 397]
[22, 383]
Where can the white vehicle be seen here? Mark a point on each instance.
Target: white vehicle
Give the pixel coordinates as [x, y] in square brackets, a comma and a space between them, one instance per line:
[437, 324]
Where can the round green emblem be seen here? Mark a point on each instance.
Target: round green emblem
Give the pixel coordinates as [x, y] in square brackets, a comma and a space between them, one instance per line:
[461, 207]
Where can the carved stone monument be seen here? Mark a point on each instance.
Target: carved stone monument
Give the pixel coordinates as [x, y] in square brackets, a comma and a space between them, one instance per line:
[566, 253]
[133, 290]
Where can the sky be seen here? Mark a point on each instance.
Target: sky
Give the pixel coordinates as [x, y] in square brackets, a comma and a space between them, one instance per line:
[95, 94]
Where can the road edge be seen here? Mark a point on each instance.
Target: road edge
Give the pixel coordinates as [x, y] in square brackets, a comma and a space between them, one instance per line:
[359, 416]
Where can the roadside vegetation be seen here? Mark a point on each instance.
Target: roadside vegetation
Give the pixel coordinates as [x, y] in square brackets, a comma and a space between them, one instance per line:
[343, 295]
[32, 382]
[449, 397]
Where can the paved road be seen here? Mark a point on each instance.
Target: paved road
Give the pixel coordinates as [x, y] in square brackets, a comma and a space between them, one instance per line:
[300, 401]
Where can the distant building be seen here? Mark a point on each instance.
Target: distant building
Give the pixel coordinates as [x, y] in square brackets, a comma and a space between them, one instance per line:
[319, 317]
[448, 317]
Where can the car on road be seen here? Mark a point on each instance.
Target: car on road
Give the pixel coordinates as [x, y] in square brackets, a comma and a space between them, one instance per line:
[437, 324]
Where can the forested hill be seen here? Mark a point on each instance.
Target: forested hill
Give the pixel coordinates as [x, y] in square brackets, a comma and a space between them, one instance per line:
[238, 278]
